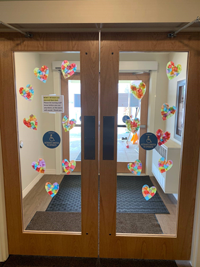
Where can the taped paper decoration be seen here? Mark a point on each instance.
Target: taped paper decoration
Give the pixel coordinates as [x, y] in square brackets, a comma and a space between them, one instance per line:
[39, 166]
[147, 192]
[42, 74]
[135, 167]
[167, 112]
[164, 165]
[68, 69]
[133, 125]
[31, 122]
[162, 137]
[68, 167]
[68, 124]
[138, 91]
[27, 92]
[172, 70]
[52, 189]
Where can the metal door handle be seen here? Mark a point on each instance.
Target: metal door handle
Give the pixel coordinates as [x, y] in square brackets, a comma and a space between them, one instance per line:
[143, 126]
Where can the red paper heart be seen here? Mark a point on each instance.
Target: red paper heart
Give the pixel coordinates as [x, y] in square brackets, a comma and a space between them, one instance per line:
[162, 137]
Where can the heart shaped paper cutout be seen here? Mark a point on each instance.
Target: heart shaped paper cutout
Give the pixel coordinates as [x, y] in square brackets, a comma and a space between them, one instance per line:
[133, 125]
[135, 167]
[138, 91]
[167, 112]
[164, 165]
[31, 122]
[42, 73]
[162, 137]
[172, 70]
[39, 166]
[68, 124]
[27, 92]
[52, 189]
[68, 69]
[68, 167]
[147, 192]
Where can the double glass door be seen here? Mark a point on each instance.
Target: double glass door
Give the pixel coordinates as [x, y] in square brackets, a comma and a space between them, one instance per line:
[97, 166]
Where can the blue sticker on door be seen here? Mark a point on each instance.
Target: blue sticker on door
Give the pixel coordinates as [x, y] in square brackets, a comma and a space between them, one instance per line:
[148, 141]
[51, 139]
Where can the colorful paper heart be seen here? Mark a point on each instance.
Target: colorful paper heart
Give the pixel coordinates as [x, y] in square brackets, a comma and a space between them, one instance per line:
[52, 189]
[172, 70]
[31, 122]
[42, 74]
[164, 165]
[133, 125]
[167, 112]
[27, 92]
[68, 69]
[68, 167]
[39, 166]
[162, 137]
[147, 192]
[138, 91]
[135, 167]
[68, 124]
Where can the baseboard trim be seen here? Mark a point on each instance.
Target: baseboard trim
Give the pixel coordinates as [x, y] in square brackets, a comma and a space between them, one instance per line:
[50, 171]
[32, 184]
[36, 180]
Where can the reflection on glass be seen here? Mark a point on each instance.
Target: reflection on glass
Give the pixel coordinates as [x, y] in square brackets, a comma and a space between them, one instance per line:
[75, 113]
[50, 209]
[147, 203]
[128, 106]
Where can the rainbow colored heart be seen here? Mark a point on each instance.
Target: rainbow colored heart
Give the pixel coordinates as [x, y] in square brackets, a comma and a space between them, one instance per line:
[39, 166]
[167, 112]
[164, 165]
[135, 167]
[68, 124]
[162, 137]
[172, 70]
[42, 73]
[27, 92]
[68, 69]
[52, 190]
[133, 125]
[31, 122]
[68, 167]
[147, 192]
[138, 91]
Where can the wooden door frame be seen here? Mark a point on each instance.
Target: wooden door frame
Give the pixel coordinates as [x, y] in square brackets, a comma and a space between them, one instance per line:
[65, 135]
[84, 244]
[122, 166]
[172, 247]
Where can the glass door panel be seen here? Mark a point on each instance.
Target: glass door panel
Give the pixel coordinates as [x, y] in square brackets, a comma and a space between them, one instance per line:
[51, 193]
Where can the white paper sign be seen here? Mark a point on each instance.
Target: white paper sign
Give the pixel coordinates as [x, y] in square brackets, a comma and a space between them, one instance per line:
[53, 103]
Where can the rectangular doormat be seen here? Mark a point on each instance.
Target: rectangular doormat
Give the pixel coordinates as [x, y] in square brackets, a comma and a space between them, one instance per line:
[129, 196]
[71, 221]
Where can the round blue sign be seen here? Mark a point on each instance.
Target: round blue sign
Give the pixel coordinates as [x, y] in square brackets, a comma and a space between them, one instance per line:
[148, 141]
[51, 139]
[125, 118]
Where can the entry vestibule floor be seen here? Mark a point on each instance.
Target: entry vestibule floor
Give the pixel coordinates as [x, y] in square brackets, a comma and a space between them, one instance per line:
[41, 261]
[38, 200]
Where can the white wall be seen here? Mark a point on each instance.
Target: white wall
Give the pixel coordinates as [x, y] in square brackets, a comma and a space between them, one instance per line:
[32, 150]
[177, 58]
